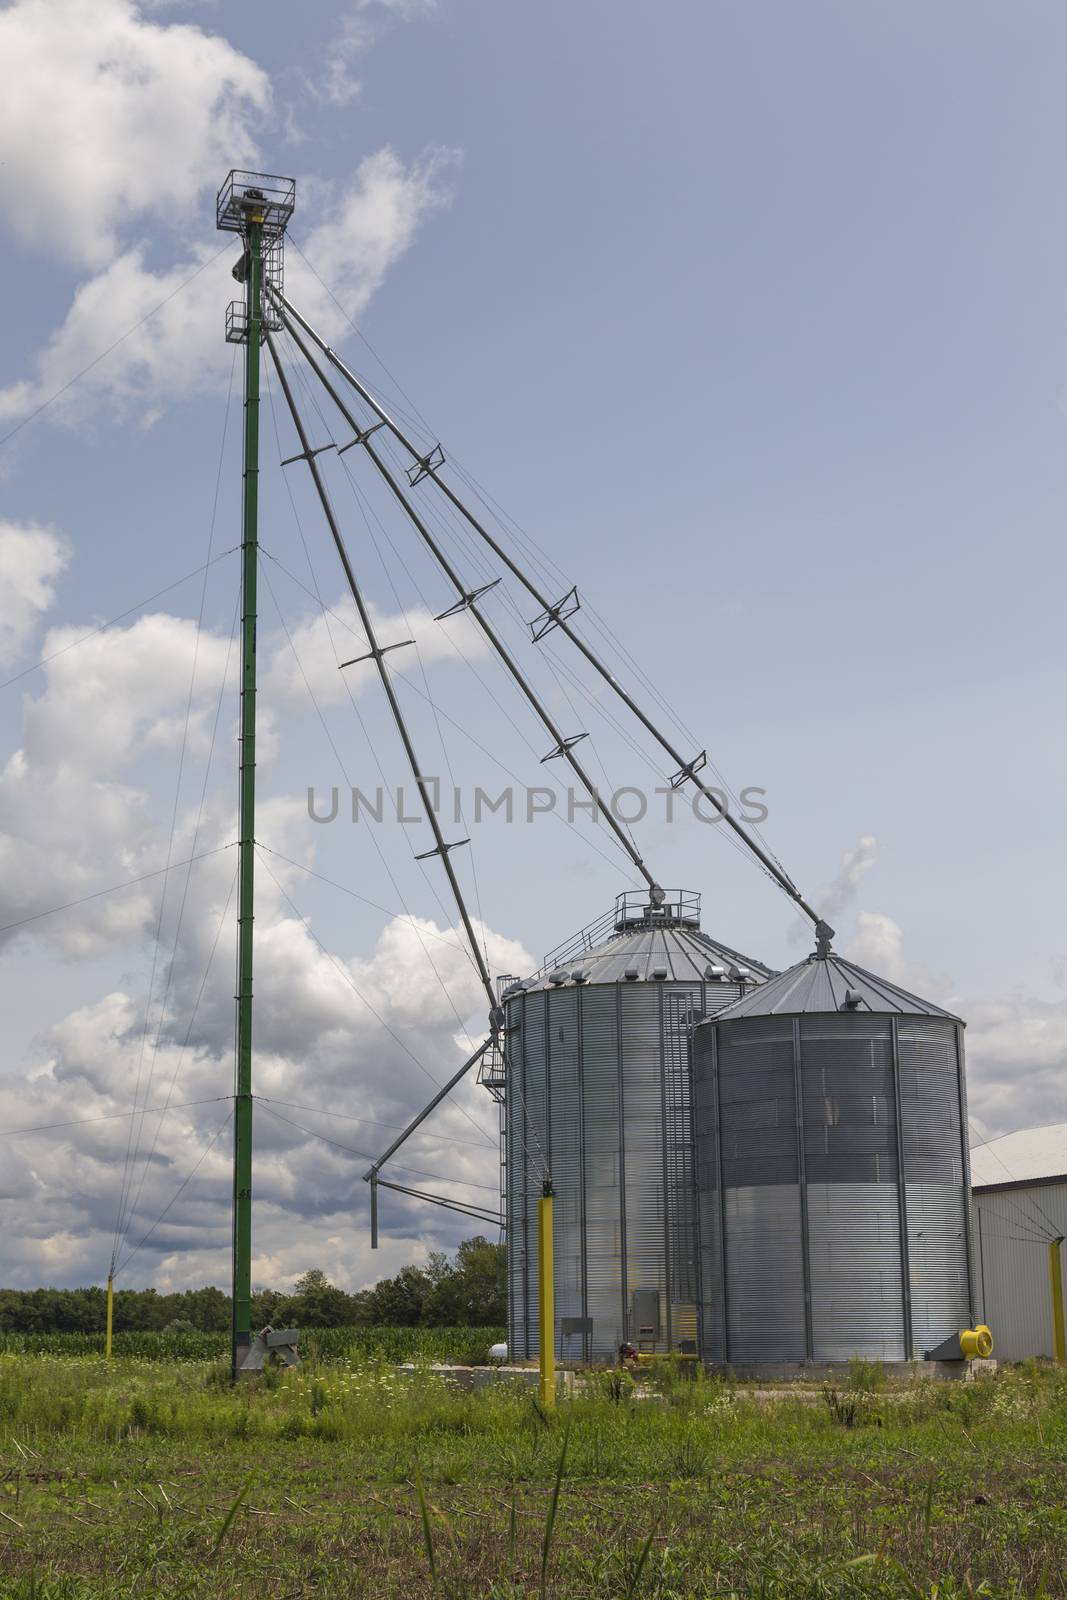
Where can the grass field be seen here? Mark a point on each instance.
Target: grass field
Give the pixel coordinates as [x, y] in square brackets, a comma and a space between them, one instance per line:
[349, 1479]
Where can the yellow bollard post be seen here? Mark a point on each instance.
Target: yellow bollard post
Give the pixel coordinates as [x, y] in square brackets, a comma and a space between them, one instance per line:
[1055, 1283]
[110, 1309]
[546, 1296]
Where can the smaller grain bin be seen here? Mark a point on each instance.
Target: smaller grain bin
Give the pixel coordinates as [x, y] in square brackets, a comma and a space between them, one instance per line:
[596, 1089]
[832, 1171]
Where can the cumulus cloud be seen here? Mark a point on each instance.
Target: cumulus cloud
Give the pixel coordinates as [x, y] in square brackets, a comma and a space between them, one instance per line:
[363, 1032]
[1016, 1062]
[176, 313]
[1016, 1043]
[366, 225]
[337, 1042]
[108, 117]
[316, 645]
[76, 816]
[31, 559]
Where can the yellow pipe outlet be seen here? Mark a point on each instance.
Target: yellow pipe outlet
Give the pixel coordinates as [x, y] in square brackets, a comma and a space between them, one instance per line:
[976, 1343]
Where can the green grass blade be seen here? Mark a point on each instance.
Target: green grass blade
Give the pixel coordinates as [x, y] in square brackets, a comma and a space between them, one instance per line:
[427, 1527]
[928, 1511]
[228, 1520]
[642, 1560]
[550, 1520]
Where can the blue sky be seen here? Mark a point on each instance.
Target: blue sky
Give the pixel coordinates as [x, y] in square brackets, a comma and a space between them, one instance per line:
[750, 315]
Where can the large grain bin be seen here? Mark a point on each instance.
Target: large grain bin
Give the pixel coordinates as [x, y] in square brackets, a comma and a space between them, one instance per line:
[596, 1087]
[831, 1166]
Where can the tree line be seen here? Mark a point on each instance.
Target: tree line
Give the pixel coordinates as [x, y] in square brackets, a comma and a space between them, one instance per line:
[465, 1292]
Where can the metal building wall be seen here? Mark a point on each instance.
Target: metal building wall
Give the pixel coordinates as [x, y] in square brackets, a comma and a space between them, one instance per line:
[598, 1079]
[811, 1247]
[1011, 1227]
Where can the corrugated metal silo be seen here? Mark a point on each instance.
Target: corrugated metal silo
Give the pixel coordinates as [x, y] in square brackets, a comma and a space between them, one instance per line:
[597, 1088]
[831, 1166]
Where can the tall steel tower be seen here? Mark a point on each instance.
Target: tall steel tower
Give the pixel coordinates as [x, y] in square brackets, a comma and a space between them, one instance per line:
[257, 206]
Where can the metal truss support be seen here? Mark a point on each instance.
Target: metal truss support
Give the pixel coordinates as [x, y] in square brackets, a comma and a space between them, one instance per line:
[557, 616]
[376, 653]
[371, 1175]
[469, 601]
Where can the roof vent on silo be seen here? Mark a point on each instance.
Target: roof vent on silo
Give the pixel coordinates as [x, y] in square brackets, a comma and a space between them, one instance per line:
[631, 974]
[580, 975]
[659, 973]
[852, 1000]
[557, 977]
[715, 974]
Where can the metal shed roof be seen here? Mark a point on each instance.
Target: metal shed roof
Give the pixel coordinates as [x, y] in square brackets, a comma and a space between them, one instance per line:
[829, 983]
[1029, 1154]
[677, 954]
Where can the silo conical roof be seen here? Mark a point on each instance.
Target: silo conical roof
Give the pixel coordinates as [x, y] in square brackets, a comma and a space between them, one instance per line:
[639, 943]
[682, 955]
[829, 983]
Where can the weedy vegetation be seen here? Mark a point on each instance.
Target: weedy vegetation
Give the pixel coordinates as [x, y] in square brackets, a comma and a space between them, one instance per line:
[348, 1478]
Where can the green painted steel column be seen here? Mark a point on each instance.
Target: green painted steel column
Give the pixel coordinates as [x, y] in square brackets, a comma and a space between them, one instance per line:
[242, 1120]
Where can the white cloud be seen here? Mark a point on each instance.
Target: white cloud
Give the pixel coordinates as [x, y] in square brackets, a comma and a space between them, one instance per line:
[31, 559]
[361, 23]
[855, 865]
[319, 642]
[878, 945]
[1016, 1062]
[178, 349]
[1016, 1044]
[835, 897]
[73, 799]
[319, 1043]
[338, 1032]
[107, 117]
[367, 224]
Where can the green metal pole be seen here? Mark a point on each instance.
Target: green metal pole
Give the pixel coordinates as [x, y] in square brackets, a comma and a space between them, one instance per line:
[242, 1120]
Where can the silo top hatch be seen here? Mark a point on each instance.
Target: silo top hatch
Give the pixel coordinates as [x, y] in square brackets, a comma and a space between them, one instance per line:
[825, 983]
[642, 941]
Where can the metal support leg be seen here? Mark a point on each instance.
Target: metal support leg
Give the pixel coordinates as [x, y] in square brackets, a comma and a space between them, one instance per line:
[546, 1298]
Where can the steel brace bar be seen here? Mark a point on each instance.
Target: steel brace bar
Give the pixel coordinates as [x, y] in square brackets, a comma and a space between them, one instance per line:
[376, 654]
[555, 615]
[390, 693]
[468, 599]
